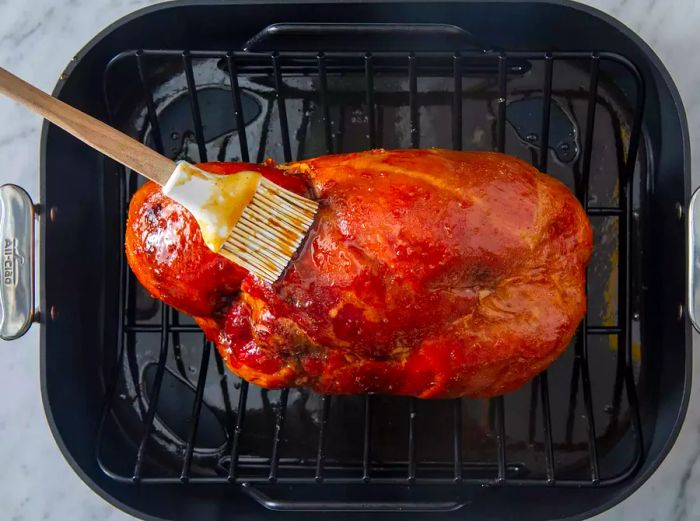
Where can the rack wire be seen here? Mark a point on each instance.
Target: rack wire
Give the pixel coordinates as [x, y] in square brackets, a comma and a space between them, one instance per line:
[277, 65]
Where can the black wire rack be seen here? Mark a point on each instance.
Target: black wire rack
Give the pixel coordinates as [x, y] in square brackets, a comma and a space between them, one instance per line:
[236, 468]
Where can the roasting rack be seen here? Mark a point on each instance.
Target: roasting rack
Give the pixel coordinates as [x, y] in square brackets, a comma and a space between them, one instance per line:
[262, 467]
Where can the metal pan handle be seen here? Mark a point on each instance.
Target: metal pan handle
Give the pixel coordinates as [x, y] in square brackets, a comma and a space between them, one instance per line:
[362, 37]
[694, 259]
[17, 236]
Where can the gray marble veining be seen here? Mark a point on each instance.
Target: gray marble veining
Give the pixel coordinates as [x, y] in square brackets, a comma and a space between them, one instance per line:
[37, 39]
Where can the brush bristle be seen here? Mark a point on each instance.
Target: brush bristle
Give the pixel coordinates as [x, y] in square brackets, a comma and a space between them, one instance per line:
[270, 230]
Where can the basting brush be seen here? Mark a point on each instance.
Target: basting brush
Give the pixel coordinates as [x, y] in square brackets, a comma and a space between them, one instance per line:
[243, 217]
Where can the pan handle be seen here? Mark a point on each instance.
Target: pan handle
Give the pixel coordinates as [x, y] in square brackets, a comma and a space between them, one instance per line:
[362, 37]
[694, 259]
[17, 235]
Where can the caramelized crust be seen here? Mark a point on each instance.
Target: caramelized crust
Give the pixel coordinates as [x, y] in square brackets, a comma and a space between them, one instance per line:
[428, 273]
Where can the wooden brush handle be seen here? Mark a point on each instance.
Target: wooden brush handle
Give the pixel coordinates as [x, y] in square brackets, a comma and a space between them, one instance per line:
[98, 135]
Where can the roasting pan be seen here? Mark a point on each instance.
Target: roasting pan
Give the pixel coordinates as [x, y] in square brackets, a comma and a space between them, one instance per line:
[142, 407]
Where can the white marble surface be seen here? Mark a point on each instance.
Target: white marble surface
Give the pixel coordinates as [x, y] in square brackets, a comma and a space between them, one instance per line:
[37, 39]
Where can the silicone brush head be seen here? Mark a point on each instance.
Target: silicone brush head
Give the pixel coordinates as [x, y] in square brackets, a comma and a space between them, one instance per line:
[270, 230]
[244, 217]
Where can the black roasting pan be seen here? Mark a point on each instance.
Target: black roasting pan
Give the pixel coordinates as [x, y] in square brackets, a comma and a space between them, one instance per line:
[137, 401]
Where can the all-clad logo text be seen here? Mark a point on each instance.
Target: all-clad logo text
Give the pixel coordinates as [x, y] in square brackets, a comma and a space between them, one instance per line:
[11, 260]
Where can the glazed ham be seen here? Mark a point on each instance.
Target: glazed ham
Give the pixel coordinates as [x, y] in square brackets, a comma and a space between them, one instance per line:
[428, 273]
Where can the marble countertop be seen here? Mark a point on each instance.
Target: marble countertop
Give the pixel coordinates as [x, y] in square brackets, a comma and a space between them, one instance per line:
[37, 39]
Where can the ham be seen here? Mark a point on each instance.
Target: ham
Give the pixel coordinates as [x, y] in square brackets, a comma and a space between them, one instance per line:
[429, 273]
